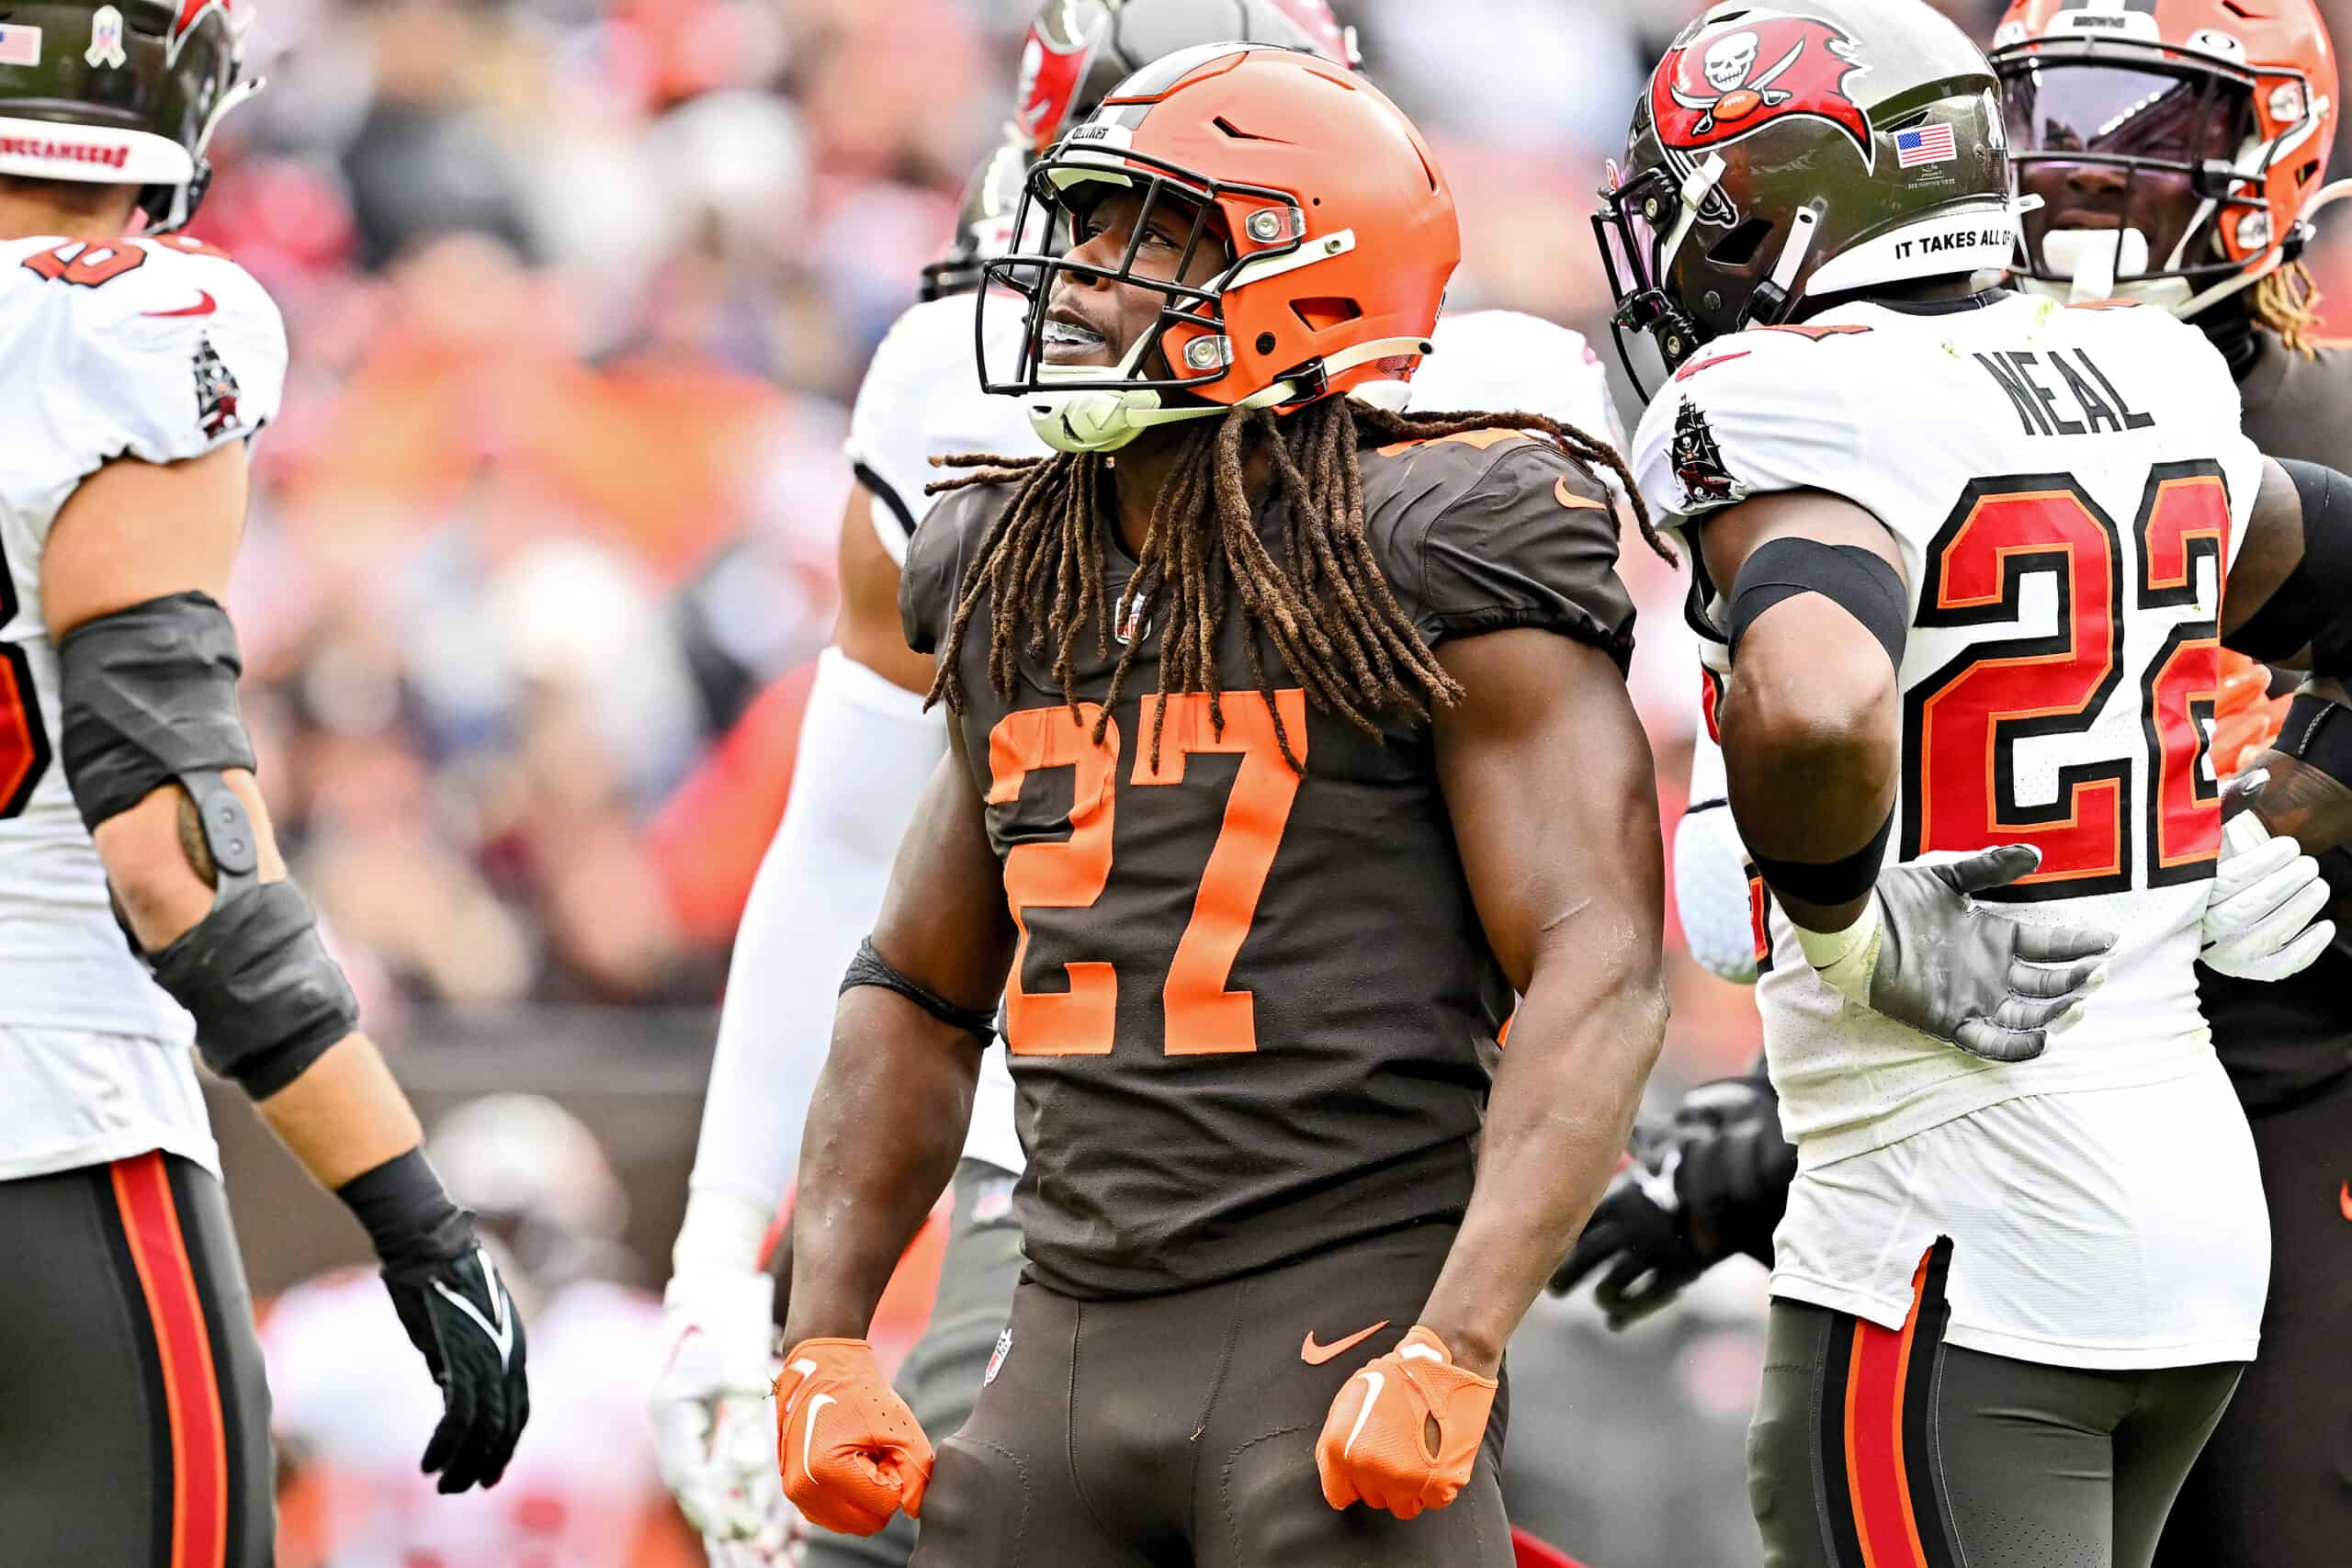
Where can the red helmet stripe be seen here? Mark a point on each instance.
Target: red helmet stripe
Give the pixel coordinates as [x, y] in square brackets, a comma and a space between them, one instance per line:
[192, 12]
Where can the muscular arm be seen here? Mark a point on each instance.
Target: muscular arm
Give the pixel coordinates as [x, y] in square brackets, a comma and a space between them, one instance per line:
[1547, 776]
[133, 532]
[1811, 716]
[869, 630]
[2290, 605]
[895, 1098]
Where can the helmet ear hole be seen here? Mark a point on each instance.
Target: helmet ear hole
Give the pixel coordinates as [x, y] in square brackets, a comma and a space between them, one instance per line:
[1322, 314]
[1738, 248]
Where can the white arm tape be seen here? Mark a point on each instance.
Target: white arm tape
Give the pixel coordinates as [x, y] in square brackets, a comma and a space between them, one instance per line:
[866, 752]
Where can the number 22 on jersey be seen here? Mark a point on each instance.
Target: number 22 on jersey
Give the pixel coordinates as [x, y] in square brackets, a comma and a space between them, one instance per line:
[1202, 1018]
[24, 741]
[1964, 722]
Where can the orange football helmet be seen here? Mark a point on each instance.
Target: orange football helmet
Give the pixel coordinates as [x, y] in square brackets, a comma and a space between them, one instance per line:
[2179, 146]
[1338, 231]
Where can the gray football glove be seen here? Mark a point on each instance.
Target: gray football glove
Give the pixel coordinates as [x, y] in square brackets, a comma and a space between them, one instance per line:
[1927, 955]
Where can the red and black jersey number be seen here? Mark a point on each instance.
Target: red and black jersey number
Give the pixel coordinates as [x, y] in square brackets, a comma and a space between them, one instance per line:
[1202, 1016]
[87, 264]
[93, 263]
[24, 741]
[1965, 721]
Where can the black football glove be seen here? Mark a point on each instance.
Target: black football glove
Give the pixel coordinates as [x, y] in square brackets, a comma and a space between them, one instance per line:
[1637, 1231]
[461, 1319]
[1733, 1174]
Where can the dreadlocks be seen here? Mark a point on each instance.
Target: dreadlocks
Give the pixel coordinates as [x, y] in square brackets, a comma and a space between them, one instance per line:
[1319, 596]
[2287, 301]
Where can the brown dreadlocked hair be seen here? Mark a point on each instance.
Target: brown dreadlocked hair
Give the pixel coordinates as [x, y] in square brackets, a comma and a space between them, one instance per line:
[1322, 602]
[2288, 303]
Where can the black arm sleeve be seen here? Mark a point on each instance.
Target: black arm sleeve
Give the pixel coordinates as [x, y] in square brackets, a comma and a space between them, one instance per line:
[2314, 607]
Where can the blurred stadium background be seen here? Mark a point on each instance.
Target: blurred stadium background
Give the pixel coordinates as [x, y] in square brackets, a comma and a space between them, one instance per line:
[578, 295]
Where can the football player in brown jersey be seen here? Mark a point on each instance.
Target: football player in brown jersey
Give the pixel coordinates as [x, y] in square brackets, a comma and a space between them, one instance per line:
[1290, 740]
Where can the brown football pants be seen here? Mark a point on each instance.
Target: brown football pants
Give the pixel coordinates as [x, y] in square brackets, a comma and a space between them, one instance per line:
[1180, 1428]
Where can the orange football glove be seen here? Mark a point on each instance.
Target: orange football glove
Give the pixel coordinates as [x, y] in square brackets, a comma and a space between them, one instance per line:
[1373, 1448]
[850, 1450]
[2246, 717]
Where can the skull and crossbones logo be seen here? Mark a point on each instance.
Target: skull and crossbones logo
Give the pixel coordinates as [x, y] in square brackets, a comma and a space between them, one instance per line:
[1730, 68]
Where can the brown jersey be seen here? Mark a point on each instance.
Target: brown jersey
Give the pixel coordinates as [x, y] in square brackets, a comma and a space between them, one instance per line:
[1253, 1012]
[2281, 1040]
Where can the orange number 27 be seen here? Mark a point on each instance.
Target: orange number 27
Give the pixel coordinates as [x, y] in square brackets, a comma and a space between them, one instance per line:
[1202, 1016]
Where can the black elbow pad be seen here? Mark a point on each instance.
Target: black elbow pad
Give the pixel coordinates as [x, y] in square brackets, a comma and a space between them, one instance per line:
[151, 699]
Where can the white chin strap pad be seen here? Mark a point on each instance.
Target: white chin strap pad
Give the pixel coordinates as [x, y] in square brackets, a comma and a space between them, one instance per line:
[2094, 258]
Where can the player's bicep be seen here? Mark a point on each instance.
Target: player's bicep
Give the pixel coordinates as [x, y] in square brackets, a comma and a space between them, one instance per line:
[1548, 780]
[869, 630]
[944, 921]
[2266, 608]
[1729, 537]
[135, 531]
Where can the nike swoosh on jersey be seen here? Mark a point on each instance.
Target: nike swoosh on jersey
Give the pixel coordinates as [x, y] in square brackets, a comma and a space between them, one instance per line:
[205, 305]
[1315, 1355]
[1572, 500]
[1371, 1395]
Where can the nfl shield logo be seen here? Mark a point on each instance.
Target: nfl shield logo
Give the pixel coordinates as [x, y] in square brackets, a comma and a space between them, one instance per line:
[1132, 626]
[1003, 1343]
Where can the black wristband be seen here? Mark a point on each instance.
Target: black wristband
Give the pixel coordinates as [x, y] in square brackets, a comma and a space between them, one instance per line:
[870, 968]
[407, 1215]
[1839, 882]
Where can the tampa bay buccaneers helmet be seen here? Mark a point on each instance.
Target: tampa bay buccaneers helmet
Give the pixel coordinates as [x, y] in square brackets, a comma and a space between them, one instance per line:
[1337, 230]
[1079, 50]
[983, 221]
[126, 92]
[1778, 156]
[2179, 146]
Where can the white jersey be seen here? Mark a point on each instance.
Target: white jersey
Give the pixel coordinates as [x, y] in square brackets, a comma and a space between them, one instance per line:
[2067, 488]
[922, 399]
[159, 350]
[352, 1404]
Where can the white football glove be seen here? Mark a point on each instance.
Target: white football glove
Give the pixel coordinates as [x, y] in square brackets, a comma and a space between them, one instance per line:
[2259, 921]
[714, 1421]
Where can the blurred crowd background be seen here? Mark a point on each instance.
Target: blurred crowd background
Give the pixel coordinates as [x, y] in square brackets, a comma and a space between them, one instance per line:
[578, 296]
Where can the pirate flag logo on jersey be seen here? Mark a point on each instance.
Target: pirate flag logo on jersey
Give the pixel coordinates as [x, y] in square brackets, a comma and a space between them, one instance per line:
[1745, 73]
[216, 391]
[1698, 462]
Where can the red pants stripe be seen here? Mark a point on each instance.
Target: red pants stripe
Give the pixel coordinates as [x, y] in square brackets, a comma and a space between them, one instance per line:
[191, 1382]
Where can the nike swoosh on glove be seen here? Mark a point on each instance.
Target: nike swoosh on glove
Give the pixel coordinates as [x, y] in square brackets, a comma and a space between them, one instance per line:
[461, 1319]
[2260, 921]
[851, 1453]
[1637, 1230]
[1374, 1449]
[712, 1430]
[1927, 955]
